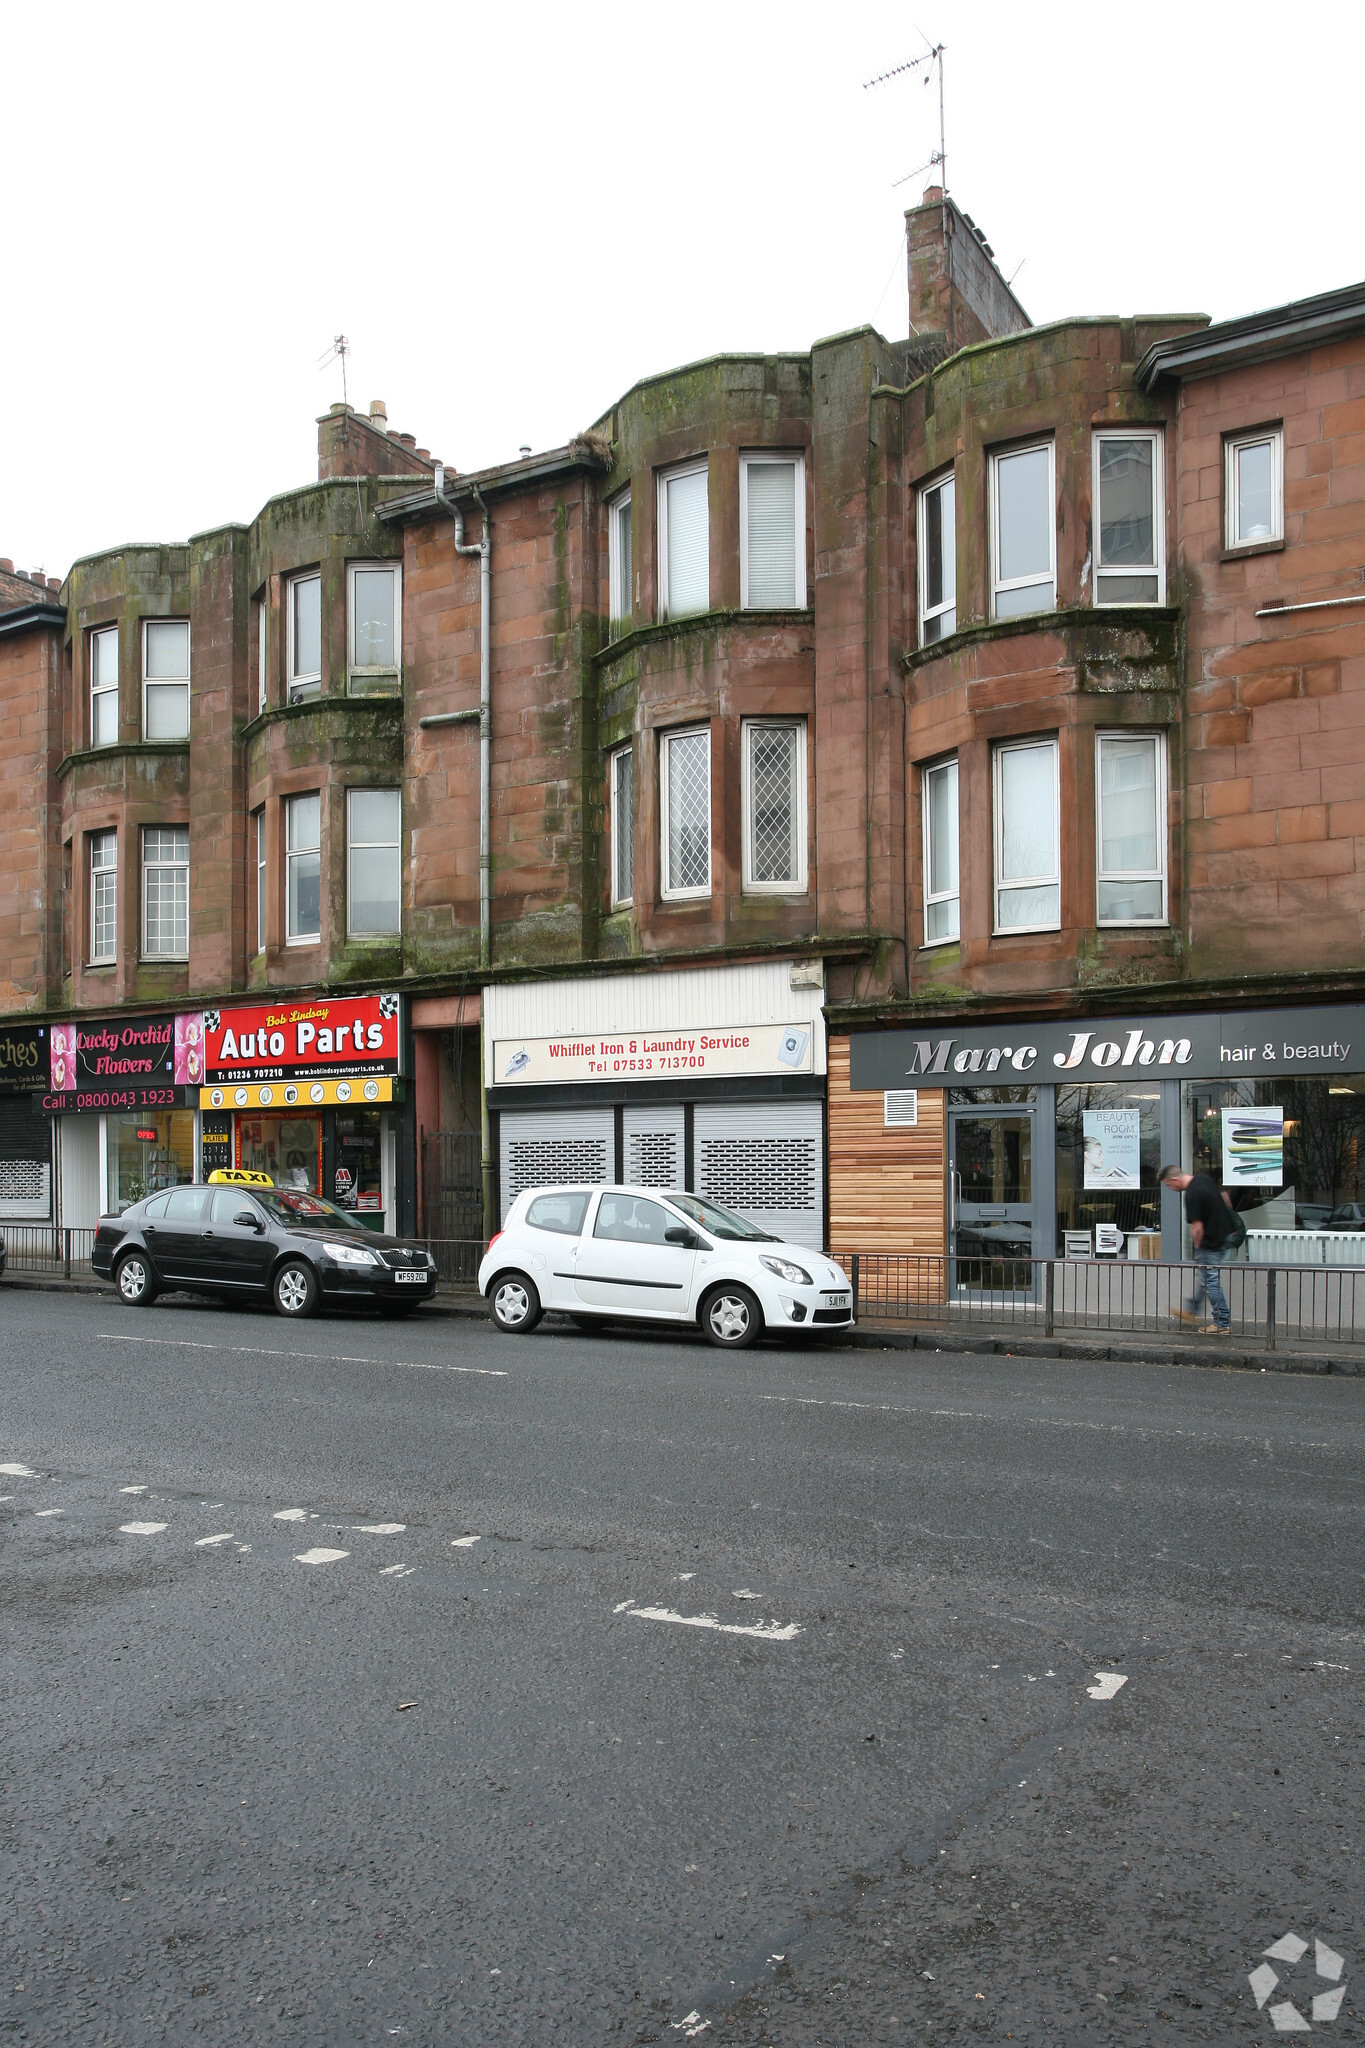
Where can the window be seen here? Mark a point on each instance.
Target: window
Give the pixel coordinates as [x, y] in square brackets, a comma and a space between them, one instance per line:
[262, 634]
[1028, 895]
[622, 826]
[166, 892]
[166, 679]
[684, 543]
[561, 1213]
[937, 561]
[104, 687]
[376, 627]
[1255, 488]
[772, 531]
[686, 821]
[259, 817]
[372, 828]
[303, 868]
[774, 793]
[103, 897]
[633, 1219]
[941, 913]
[1130, 781]
[1023, 532]
[620, 558]
[305, 638]
[1130, 519]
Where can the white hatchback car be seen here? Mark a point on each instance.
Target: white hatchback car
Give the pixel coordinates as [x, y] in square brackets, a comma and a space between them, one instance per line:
[655, 1254]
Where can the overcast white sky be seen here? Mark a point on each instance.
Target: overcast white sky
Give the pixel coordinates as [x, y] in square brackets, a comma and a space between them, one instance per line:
[515, 211]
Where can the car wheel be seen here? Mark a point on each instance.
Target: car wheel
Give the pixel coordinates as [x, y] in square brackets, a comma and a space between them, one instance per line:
[593, 1323]
[295, 1289]
[515, 1304]
[133, 1278]
[732, 1318]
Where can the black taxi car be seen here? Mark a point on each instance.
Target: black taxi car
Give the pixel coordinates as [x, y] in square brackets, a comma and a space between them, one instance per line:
[239, 1236]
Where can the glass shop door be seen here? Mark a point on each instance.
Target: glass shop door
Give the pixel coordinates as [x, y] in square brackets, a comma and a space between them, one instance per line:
[990, 1201]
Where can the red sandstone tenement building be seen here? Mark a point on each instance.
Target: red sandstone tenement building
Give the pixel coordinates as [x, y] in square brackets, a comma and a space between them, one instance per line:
[769, 791]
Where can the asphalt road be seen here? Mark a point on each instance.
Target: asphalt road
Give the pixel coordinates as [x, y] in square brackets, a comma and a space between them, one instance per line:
[476, 1775]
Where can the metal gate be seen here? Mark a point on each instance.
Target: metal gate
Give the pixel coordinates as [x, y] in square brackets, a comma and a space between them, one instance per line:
[452, 1192]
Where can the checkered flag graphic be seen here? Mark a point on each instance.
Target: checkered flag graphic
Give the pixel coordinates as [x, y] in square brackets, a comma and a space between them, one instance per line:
[212, 1019]
[388, 1006]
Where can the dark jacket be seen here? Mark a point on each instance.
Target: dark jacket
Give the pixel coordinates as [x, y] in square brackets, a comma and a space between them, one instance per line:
[1204, 1204]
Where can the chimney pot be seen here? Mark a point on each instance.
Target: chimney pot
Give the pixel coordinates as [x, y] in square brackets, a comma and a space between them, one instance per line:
[933, 195]
[524, 451]
[406, 440]
[7, 565]
[424, 454]
[340, 405]
[54, 582]
[379, 414]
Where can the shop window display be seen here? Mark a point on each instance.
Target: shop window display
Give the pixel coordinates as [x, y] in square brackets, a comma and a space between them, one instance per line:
[289, 1149]
[357, 1171]
[1108, 1158]
[148, 1152]
[1291, 1153]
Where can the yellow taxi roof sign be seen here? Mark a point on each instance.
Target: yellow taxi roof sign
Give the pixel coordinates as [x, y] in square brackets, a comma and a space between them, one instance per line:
[245, 1175]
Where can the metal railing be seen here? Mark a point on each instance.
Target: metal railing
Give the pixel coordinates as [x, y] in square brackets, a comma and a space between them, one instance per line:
[52, 1248]
[1267, 1304]
[457, 1258]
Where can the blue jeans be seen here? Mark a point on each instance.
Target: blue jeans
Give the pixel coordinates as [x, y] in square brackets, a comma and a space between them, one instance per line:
[1207, 1261]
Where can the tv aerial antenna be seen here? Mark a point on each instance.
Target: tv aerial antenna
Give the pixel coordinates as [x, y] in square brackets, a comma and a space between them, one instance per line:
[337, 353]
[927, 64]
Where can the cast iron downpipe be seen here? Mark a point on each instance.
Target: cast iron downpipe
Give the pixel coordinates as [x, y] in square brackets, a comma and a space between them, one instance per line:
[484, 550]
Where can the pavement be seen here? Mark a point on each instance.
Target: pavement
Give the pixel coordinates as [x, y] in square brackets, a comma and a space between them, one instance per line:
[371, 1682]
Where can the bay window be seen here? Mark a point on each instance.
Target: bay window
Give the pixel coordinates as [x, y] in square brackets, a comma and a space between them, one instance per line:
[1023, 522]
[303, 869]
[304, 652]
[165, 892]
[104, 687]
[685, 761]
[1130, 828]
[684, 542]
[772, 531]
[774, 805]
[941, 896]
[1129, 536]
[166, 679]
[937, 561]
[103, 898]
[375, 627]
[1028, 895]
[622, 826]
[373, 821]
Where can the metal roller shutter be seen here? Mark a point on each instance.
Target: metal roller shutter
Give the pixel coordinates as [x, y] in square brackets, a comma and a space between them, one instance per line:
[25, 1160]
[540, 1147]
[654, 1145]
[767, 1161]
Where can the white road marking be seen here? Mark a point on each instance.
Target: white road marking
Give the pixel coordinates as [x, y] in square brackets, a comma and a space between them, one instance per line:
[621, 1606]
[1330, 1964]
[379, 1528]
[291, 1515]
[17, 1472]
[320, 1556]
[684, 1576]
[397, 1571]
[1109, 1683]
[132, 1489]
[206, 1542]
[463, 1542]
[141, 1528]
[41, 1514]
[483, 1372]
[1287, 1949]
[692, 2024]
[744, 1594]
[768, 1631]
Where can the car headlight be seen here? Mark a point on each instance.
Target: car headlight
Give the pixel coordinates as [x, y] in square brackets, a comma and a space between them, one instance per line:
[794, 1276]
[350, 1255]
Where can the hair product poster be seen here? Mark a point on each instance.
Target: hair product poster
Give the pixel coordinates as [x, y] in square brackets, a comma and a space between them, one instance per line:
[1253, 1148]
[1113, 1147]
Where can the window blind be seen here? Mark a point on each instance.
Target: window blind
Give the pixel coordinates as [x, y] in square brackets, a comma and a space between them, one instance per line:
[771, 533]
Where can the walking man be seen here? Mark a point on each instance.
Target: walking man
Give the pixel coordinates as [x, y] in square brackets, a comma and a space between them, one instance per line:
[1209, 1215]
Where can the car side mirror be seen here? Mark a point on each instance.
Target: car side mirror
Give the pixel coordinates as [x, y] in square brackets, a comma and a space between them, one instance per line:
[677, 1233]
[247, 1220]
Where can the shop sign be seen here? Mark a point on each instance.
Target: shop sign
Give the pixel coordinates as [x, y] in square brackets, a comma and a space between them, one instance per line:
[655, 1055]
[23, 1058]
[299, 1095]
[115, 1063]
[1201, 1045]
[312, 1039]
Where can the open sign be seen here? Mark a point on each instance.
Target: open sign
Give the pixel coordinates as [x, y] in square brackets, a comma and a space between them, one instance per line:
[147, 1137]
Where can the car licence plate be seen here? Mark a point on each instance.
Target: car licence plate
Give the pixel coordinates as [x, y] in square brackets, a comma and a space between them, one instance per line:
[835, 1300]
[411, 1279]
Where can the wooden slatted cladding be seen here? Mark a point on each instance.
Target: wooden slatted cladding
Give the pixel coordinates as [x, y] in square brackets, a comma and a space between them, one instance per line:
[886, 1187]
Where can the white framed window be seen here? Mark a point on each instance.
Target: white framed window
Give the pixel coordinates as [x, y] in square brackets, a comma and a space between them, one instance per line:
[103, 898]
[622, 770]
[165, 892]
[104, 687]
[1254, 470]
[1129, 497]
[374, 607]
[684, 542]
[259, 819]
[772, 531]
[373, 824]
[303, 869]
[1028, 892]
[620, 564]
[1130, 827]
[774, 806]
[165, 679]
[685, 811]
[1023, 523]
[262, 635]
[304, 652]
[941, 898]
[937, 560]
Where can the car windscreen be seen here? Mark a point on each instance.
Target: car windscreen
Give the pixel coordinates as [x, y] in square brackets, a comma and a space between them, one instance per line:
[720, 1222]
[296, 1205]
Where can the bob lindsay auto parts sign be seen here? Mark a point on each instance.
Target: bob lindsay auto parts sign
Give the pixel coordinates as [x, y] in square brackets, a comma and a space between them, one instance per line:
[307, 1040]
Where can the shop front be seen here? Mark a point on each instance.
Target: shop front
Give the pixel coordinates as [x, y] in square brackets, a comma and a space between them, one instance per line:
[707, 1079]
[1047, 1138]
[123, 1091]
[312, 1092]
[25, 1133]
